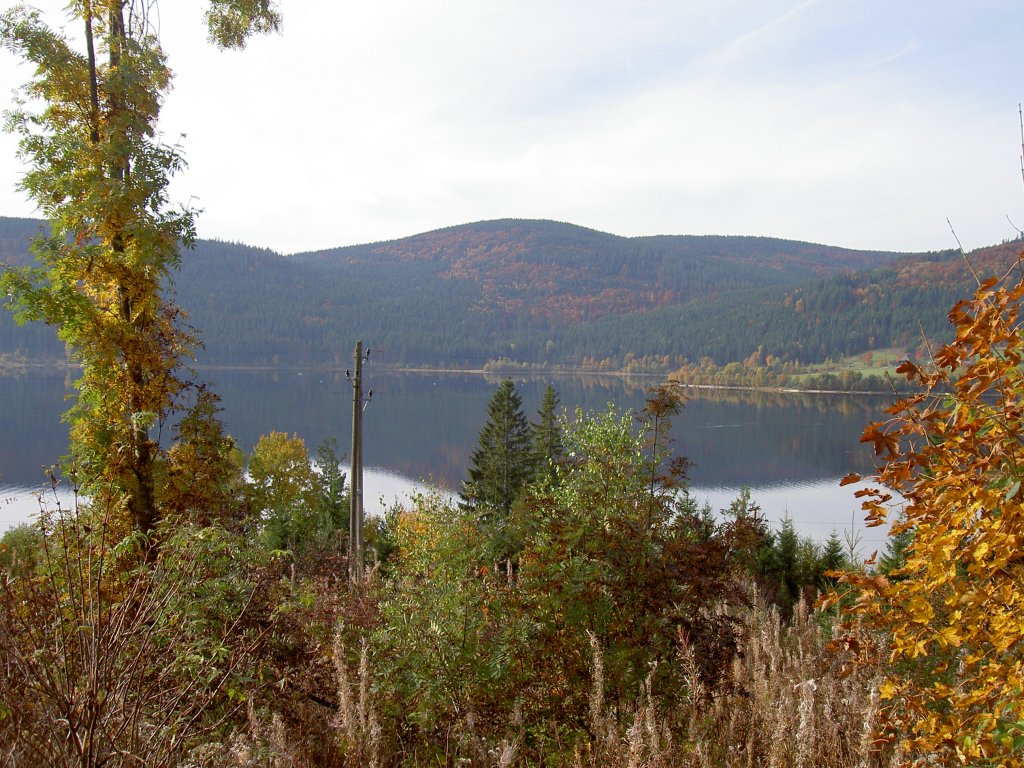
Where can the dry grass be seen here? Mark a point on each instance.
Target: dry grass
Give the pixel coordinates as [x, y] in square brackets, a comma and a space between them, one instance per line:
[356, 724]
[789, 703]
[785, 704]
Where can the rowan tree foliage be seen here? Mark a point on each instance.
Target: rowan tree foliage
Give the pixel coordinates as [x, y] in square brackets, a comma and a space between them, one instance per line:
[117, 652]
[953, 604]
[232, 22]
[616, 551]
[99, 173]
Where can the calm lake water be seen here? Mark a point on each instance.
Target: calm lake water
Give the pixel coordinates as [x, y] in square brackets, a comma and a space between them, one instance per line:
[789, 449]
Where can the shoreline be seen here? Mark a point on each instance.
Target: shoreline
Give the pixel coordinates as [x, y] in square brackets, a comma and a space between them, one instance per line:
[21, 366]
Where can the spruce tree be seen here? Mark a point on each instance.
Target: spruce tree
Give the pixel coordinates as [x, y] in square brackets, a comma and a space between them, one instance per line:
[833, 558]
[502, 463]
[788, 582]
[333, 502]
[547, 435]
[901, 538]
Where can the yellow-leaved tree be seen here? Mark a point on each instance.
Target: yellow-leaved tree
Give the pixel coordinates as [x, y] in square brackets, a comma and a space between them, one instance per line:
[953, 613]
[99, 173]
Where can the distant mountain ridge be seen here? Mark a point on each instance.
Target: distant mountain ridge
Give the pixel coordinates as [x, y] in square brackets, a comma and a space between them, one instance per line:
[569, 274]
[544, 292]
[543, 240]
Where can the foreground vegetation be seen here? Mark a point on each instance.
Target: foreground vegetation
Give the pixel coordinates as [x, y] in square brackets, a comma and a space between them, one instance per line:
[599, 619]
[575, 608]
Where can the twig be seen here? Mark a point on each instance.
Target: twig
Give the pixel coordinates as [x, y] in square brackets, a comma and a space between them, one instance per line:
[927, 343]
[962, 253]
[1020, 116]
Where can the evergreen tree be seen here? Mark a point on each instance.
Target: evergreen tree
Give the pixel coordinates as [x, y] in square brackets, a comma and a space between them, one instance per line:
[752, 540]
[205, 483]
[547, 435]
[895, 556]
[502, 463]
[833, 558]
[333, 502]
[787, 576]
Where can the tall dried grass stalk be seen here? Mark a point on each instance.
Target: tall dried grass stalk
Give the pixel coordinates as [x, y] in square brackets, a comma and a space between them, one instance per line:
[356, 719]
[596, 687]
[507, 753]
[283, 753]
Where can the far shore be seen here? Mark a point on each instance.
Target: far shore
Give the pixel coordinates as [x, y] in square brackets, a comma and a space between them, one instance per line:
[19, 366]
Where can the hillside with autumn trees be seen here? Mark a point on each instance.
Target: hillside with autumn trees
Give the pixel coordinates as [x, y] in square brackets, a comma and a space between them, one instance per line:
[547, 293]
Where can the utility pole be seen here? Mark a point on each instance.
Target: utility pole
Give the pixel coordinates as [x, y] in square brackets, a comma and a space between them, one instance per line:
[355, 518]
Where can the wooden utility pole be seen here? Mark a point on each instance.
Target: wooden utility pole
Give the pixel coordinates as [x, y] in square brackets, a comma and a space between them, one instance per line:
[355, 518]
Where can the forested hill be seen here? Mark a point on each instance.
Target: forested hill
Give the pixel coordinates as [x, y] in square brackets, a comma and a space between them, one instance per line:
[545, 292]
[831, 317]
[567, 274]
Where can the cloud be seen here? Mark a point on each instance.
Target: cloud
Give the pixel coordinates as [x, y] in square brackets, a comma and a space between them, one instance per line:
[769, 32]
[856, 123]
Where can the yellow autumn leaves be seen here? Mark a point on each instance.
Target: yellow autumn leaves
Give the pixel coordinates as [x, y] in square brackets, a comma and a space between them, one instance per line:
[953, 614]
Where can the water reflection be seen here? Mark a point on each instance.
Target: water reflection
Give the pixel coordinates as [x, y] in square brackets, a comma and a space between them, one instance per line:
[816, 509]
[19, 504]
[791, 449]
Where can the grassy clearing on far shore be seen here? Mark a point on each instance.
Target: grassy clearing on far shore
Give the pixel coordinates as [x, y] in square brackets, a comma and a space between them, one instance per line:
[877, 363]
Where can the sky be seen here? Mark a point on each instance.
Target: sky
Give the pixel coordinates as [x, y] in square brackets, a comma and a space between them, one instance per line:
[858, 123]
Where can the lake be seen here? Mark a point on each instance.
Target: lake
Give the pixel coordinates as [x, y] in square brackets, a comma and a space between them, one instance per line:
[790, 449]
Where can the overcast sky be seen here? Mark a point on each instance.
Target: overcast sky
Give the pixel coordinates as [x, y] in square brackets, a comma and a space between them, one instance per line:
[861, 123]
